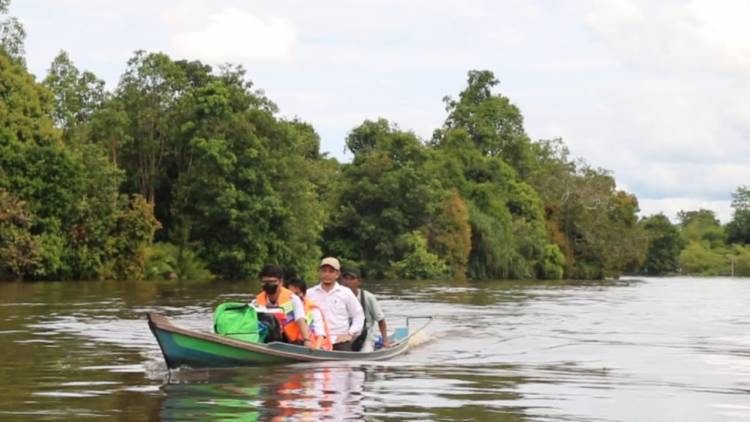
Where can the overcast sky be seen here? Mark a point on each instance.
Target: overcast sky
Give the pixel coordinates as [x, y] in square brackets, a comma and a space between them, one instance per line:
[656, 91]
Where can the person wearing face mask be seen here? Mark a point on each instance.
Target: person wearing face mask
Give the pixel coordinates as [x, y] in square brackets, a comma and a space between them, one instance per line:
[292, 314]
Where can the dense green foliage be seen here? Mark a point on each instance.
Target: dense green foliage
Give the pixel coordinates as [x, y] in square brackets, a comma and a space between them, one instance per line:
[383, 196]
[199, 162]
[665, 245]
[593, 224]
[481, 151]
[449, 233]
[67, 219]
[77, 96]
[165, 260]
[738, 230]
[228, 179]
[699, 244]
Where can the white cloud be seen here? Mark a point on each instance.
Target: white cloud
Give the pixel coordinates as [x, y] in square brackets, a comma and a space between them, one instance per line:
[232, 36]
[669, 115]
[712, 182]
[670, 206]
[680, 35]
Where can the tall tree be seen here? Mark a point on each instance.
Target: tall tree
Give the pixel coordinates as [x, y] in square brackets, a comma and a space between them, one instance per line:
[701, 226]
[77, 95]
[592, 222]
[148, 91]
[12, 35]
[386, 193]
[493, 123]
[483, 151]
[228, 178]
[665, 245]
[738, 230]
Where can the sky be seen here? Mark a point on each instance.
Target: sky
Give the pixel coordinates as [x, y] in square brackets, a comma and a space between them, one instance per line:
[656, 92]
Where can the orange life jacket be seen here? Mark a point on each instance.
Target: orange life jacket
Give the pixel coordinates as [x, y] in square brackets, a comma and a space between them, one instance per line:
[309, 307]
[286, 317]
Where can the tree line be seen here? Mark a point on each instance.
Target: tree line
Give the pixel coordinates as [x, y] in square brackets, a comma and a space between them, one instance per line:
[186, 171]
[699, 244]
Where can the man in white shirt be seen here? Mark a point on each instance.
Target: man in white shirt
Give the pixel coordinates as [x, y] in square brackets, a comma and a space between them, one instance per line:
[339, 305]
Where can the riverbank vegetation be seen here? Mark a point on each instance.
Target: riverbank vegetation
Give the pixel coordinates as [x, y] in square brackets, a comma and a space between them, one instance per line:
[186, 171]
[699, 244]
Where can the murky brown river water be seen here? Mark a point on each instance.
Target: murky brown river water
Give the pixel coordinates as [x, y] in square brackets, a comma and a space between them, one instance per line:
[675, 349]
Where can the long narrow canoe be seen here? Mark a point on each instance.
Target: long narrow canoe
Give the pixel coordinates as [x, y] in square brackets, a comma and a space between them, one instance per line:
[197, 349]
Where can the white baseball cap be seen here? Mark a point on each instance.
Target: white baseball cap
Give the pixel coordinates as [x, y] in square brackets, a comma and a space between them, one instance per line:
[331, 262]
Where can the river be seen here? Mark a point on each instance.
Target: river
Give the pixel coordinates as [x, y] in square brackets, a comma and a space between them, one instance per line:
[653, 349]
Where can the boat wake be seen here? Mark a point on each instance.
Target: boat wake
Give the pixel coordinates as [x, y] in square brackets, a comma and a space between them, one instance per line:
[419, 338]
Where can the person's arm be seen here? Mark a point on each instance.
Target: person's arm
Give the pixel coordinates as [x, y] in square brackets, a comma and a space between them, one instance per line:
[300, 320]
[379, 316]
[319, 328]
[305, 331]
[384, 333]
[357, 314]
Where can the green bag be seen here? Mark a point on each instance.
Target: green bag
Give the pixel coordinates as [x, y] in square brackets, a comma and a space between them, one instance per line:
[238, 321]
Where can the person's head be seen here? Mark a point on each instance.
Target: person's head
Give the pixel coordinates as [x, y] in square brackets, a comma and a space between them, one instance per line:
[271, 276]
[329, 270]
[298, 286]
[289, 274]
[351, 278]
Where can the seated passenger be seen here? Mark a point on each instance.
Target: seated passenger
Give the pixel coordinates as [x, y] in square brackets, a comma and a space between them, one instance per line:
[292, 314]
[319, 335]
[341, 309]
[365, 342]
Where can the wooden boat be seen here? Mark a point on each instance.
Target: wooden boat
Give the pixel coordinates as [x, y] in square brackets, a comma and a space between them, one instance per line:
[196, 349]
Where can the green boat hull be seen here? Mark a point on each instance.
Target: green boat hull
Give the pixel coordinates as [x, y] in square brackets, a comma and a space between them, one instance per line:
[182, 350]
[187, 348]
